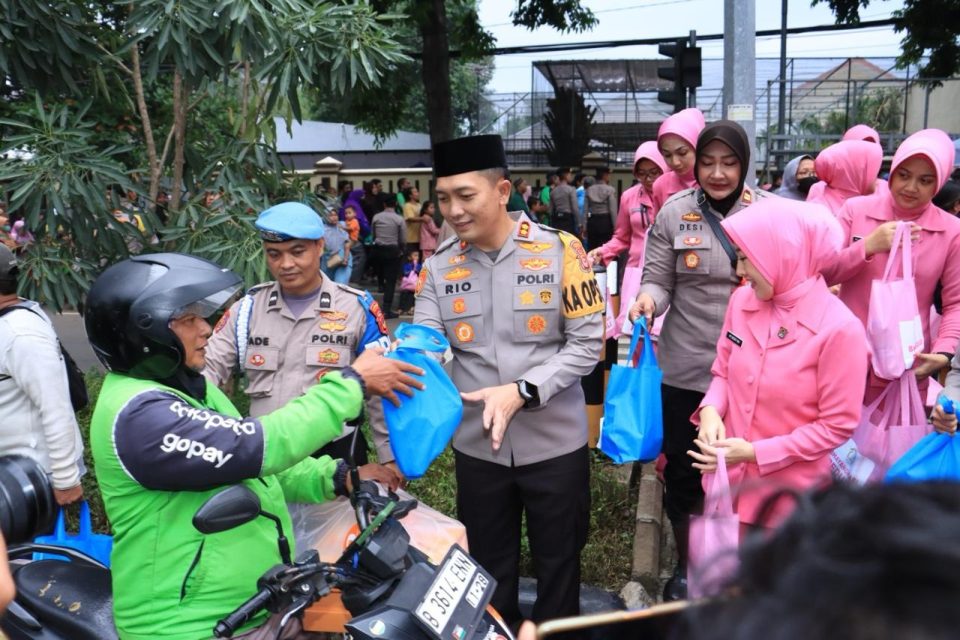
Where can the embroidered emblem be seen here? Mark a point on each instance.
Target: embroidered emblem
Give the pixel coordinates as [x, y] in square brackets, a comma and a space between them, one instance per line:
[333, 316]
[535, 264]
[378, 316]
[274, 299]
[221, 323]
[457, 274]
[336, 326]
[691, 217]
[458, 259]
[782, 333]
[463, 331]
[459, 305]
[526, 298]
[257, 360]
[320, 374]
[328, 356]
[747, 196]
[421, 280]
[692, 241]
[536, 324]
[546, 296]
[524, 230]
[535, 247]
[691, 259]
[325, 300]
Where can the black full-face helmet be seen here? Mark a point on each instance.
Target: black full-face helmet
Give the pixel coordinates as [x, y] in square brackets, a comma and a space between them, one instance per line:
[131, 304]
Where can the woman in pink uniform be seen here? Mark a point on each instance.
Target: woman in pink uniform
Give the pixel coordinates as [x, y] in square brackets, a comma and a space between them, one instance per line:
[856, 132]
[848, 169]
[791, 361]
[920, 167]
[677, 141]
[636, 217]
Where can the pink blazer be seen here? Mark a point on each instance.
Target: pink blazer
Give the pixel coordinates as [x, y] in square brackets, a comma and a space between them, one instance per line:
[936, 259]
[795, 398]
[631, 230]
[667, 185]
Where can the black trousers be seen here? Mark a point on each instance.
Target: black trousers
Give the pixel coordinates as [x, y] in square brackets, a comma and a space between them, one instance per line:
[564, 221]
[683, 491]
[599, 230]
[389, 265]
[555, 494]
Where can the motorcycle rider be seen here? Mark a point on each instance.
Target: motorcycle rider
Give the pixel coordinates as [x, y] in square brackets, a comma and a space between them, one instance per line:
[164, 440]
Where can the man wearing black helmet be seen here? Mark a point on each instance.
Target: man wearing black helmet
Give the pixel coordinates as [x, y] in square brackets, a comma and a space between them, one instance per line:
[164, 440]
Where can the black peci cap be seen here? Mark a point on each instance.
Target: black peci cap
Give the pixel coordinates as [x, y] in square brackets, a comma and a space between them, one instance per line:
[474, 153]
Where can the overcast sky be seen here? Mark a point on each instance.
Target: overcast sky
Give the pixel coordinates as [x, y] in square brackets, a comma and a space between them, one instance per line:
[632, 19]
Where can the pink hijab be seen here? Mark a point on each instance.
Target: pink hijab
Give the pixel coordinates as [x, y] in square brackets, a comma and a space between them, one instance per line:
[862, 132]
[686, 124]
[935, 147]
[848, 168]
[789, 242]
[649, 151]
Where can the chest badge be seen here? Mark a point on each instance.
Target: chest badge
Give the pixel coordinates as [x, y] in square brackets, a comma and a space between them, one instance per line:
[459, 305]
[257, 360]
[457, 274]
[535, 264]
[691, 260]
[691, 217]
[333, 316]
[333, 326]
[328, 356]
[536, 324]
[526, 298]
[463, 331]
[782, 333]
[535, 247]
[546, 296]
[692, 241]
[524, 230]
[458, 259]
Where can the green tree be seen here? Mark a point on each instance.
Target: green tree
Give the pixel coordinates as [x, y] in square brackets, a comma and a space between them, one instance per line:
[570, 122]
[930, 27]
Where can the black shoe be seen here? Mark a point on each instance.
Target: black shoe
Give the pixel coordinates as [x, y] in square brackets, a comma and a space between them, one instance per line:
[676, 587]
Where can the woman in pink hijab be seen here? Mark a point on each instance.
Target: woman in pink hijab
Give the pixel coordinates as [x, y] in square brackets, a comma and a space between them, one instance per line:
[920, 167]
[848, 169]
[677, 142]
[636, 217]
[856, 132]
[791, 361]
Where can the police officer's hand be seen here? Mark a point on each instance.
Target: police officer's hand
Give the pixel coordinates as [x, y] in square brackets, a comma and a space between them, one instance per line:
[385, 376]
[68, 496]
[378, 473]
[943, 422]
[880, 239]
[711, 426]
[499, 406]
[644, 306]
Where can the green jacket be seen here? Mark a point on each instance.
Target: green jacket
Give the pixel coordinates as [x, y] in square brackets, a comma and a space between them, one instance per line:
[160, 453]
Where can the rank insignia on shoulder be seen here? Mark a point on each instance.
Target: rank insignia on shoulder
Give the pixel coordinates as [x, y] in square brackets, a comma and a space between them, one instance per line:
[691, 260]
[325, 300]
[536, 324]
[464, 244]
[692, 241]
[691, 217]
[535, 247]
[457, 274]
[523, 230]
[274, 299]
[535, 264]
[421, 280]
[747, 196]
[463, 331]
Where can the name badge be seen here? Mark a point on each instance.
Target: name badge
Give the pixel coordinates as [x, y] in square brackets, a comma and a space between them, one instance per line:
[735, 339]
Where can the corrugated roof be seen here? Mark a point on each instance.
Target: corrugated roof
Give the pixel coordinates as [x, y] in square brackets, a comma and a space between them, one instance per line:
[313, 136]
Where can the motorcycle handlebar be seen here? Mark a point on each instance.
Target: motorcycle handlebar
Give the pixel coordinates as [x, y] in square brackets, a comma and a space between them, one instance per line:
[242, 614]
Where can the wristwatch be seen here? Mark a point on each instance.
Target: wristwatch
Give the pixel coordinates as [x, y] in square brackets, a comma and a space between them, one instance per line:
[529, 393]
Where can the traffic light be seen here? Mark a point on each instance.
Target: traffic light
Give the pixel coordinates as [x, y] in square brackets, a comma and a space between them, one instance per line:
[683, 71]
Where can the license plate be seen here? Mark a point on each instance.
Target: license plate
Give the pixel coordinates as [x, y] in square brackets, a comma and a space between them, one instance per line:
[454, 603]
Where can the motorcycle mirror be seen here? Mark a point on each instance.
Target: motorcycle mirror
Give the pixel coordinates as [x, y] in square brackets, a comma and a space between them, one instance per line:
[227, 509]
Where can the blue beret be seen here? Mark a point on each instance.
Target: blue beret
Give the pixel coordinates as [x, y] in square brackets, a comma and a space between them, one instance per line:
[289, 221]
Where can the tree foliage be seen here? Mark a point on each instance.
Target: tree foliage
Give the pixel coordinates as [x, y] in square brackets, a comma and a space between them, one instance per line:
[930, 27]
[570, 122]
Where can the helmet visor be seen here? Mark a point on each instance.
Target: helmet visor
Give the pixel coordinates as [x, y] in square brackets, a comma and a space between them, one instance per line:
[212, 305]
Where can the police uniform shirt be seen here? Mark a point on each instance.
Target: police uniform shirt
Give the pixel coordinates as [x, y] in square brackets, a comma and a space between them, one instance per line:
[601, 199]
[285, 355]
[534, 312]
[686, 268]
[563, 199]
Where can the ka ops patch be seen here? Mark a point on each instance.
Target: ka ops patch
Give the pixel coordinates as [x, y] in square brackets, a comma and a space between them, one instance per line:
[581, 295]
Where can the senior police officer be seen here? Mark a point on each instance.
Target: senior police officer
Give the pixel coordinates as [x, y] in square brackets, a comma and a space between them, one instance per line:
[285, 335]
[522, 311]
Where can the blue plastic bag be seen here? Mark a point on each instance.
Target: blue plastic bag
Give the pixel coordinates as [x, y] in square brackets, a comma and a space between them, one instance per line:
[632, 425]
[422, 426]
[935, 457]
[95, 545]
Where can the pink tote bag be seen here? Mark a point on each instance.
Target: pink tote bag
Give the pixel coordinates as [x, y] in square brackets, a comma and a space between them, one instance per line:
[886, 433]
[894, 330]
[714, 536]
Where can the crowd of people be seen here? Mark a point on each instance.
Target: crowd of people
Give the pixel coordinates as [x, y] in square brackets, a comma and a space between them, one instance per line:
[762, 299]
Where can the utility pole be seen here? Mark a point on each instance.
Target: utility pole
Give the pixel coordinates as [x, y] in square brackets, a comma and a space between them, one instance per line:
[740, 71]
[782, 104]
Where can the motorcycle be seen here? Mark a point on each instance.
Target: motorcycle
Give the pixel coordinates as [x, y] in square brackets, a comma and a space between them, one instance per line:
[388, 587]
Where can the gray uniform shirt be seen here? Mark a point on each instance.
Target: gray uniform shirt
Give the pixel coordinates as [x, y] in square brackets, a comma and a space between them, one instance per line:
[685, 268]
[601, 199]
[533, 313]
[389, 229]
[285, 356]
[563, 199]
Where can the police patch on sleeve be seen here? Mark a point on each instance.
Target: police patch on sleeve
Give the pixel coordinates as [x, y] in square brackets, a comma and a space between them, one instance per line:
[377, 314]
[421, 279]
[581, 295]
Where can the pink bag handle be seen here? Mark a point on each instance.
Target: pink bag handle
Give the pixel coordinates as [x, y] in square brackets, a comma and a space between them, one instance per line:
[901, 238]
[718, 501]
[891, 405]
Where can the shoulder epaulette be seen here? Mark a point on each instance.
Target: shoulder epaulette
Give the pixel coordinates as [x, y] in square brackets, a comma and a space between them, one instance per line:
[678, 194]
[446, 244]
[345, 287]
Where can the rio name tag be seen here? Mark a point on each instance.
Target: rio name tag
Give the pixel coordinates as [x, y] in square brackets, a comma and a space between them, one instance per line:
[453, 605]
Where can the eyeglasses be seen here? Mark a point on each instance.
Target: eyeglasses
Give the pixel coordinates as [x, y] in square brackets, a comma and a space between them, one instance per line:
[652, 173]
